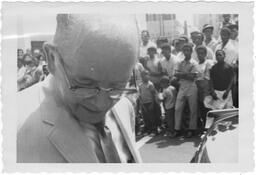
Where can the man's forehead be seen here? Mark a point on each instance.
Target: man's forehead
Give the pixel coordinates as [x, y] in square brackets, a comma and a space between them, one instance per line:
[76, 31]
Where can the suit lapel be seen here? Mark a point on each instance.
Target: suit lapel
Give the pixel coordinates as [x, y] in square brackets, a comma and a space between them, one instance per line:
[123, 115]
[68, 137]
[65, 133]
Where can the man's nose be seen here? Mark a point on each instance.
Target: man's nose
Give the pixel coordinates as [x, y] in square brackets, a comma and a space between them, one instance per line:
[102, 101]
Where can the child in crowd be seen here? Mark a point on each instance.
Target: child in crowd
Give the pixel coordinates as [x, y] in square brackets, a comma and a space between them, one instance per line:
[203, 82]
[169, 97]
[147, 98]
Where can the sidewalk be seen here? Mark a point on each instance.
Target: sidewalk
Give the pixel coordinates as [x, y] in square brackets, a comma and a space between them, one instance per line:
[160, 149]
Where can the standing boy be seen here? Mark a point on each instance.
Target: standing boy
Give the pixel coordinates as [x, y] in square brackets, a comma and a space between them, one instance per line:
[168, 62]
[147, 97]
[169, 97]
[202, 81]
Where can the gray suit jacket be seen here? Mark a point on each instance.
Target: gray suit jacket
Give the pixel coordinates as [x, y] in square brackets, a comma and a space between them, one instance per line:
[48, 134]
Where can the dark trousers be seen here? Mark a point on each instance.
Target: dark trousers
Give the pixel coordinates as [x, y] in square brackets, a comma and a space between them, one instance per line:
[203, 91]
[169, 113]
[202, 114]
[235, 95]
[150, 119]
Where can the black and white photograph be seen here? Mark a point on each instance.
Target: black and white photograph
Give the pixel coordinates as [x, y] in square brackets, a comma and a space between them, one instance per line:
[153, 87]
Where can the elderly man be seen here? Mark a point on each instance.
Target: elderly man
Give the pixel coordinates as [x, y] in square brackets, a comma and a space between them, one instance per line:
[75, 114]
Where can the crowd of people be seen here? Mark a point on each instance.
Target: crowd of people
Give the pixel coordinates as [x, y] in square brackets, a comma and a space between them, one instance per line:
[179, 81]
[31, 68]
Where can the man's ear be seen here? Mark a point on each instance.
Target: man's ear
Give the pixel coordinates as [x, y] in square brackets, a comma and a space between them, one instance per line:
[51, 56]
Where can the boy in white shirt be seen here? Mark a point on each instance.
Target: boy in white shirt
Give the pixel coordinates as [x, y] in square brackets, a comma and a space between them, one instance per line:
[203, 82]
[169, 97]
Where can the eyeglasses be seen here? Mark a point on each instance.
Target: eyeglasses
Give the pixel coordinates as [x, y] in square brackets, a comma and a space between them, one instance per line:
[88, 92]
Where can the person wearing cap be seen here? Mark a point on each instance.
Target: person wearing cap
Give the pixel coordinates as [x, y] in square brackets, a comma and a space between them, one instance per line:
[209, 41]
[226, 45]
[168, 62]
[144, 45]
[193, 35]
[183, 39]
[202, 82]
[199, 38]
[79, 113]
[186, 72]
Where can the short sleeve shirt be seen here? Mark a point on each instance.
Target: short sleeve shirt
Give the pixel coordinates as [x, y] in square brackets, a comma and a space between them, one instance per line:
[187, 67]
[204, 70]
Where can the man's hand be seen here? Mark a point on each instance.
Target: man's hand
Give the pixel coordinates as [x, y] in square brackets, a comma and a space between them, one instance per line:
[214, 96]
[225, 95]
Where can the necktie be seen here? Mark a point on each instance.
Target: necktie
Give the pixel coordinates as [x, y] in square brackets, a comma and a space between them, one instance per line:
[107, 145]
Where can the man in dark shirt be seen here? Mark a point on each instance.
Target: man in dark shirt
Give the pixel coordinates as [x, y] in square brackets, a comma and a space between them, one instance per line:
[221, 80]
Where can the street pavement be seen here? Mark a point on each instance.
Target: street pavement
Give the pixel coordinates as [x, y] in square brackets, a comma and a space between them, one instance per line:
[161, 149]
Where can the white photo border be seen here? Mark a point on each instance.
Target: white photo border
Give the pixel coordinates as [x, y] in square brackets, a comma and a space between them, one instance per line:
[9, 94]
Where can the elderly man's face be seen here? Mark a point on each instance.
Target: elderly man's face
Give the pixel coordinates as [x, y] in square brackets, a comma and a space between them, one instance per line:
[97, 67]
[98, 62]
